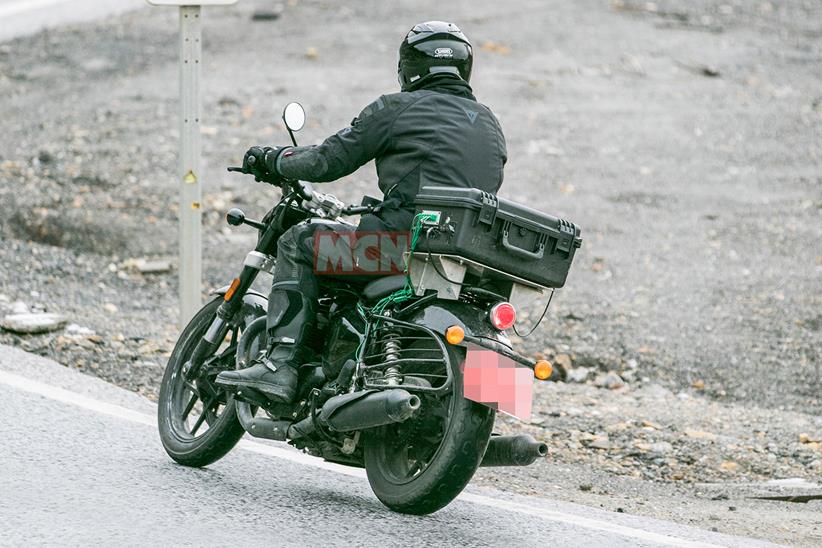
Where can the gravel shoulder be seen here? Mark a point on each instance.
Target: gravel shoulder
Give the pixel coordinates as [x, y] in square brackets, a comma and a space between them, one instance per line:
[682, 136]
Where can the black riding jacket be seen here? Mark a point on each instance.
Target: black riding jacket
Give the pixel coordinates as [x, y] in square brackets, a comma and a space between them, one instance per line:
[437, 135]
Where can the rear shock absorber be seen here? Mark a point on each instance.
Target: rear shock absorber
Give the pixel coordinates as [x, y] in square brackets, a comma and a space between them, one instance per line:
[391, 350]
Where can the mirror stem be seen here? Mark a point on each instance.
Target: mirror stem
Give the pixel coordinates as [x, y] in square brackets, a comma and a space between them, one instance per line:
[291, 133]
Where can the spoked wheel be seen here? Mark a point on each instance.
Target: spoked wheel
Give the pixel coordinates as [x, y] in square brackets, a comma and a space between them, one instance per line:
[197, 421]
[419, 466]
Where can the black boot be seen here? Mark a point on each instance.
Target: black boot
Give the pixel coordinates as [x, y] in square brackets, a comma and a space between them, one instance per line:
[275, 372]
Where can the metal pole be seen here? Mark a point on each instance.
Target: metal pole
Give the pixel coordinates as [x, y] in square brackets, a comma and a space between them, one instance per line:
[190, 270]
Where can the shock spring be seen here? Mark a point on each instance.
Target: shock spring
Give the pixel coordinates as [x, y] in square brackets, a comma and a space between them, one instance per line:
[391, 349]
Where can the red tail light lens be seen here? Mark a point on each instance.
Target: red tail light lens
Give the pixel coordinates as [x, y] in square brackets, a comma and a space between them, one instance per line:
[502, 315]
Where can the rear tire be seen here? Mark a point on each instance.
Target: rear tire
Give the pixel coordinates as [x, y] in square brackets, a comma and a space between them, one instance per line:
[453, 465]
[224, 430]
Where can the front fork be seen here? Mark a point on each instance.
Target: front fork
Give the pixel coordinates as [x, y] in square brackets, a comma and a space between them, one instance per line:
[210, 342]
[232, 301]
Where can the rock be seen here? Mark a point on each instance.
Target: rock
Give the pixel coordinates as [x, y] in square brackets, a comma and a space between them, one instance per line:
[700, 435]
[654, 391]
[698, 384]
[543, 147]
[266, 15]
[146, 266]
[578, 374]
[661, 447]
[94, 64]
[495, 47]
[728, 466]
[611, 381]
[74, 330]
[795, 483]
[111, 308]
[628, 376]
[153, 267]
[33, 323]
[807, 438]
[563, 360]
[618, 427]
[19, 307]
[600, 442]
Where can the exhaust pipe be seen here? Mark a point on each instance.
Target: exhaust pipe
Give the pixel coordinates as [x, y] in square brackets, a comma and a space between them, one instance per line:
[360, 410]
[520, 450]
[260, 427]
[367, 409]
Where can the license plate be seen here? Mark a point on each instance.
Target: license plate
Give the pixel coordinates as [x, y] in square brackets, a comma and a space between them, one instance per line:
[498, 382]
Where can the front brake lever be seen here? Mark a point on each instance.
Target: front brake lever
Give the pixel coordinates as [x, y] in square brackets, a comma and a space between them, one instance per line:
[303, 189]
[236, 169]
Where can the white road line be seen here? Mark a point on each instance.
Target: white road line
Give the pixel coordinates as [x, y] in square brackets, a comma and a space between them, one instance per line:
[22, 6]
[72, 398]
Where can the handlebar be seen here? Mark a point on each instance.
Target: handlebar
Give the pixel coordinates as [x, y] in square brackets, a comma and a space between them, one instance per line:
[326, 204]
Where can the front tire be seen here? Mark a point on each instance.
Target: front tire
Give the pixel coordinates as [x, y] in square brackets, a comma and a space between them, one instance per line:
[461, 446]
[182, 435]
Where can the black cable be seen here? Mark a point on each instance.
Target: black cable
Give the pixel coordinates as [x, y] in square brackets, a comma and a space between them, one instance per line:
[539, 321]
[441, 273]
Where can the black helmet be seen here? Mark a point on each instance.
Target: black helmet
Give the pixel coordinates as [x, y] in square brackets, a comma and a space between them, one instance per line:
[430, 48]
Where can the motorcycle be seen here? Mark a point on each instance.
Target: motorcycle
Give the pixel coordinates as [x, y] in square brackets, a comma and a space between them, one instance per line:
[389, 389]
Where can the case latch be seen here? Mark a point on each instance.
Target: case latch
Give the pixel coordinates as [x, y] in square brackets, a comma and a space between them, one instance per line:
[488, 211]
[567, 231]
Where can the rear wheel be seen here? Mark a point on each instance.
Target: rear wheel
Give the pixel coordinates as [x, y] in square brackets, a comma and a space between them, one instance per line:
[419, 466]
[197, 421]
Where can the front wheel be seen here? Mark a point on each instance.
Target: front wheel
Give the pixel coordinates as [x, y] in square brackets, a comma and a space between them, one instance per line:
[419, 466]
[197, 422]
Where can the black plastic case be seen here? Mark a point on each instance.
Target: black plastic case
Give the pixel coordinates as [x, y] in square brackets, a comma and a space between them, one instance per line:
[498, 233]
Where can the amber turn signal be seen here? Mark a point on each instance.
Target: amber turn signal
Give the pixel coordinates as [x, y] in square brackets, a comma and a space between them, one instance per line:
[543, 369]
[454, 334]
[230, 293]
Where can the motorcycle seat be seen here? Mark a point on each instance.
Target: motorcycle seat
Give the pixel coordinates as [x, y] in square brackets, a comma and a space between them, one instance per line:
[382, 287]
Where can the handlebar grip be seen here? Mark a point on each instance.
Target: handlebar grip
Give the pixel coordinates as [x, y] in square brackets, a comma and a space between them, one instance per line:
[236, 169]
[357, 210]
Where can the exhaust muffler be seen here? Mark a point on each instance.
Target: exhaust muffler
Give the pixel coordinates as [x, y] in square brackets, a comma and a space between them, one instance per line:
[520, 450]
[367, 409]
[360, 410]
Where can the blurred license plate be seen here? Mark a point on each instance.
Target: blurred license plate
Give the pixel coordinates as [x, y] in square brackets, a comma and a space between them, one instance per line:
[498, 382]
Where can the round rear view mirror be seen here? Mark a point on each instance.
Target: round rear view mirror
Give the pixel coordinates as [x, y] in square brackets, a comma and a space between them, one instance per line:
[294, 116]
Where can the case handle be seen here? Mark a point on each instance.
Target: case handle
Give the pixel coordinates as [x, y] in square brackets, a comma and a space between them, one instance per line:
[535, 255]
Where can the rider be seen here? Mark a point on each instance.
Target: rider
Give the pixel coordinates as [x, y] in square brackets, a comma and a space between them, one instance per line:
[434, 132]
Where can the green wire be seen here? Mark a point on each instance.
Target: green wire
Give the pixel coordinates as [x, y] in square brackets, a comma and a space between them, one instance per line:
[401, 295]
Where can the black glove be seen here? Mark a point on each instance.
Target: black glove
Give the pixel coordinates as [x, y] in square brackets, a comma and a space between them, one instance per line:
[262, 163]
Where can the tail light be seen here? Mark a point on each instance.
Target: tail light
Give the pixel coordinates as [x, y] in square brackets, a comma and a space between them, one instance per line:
[502, 315]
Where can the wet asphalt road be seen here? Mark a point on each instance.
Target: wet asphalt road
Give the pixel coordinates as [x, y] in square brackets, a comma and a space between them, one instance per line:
[81, 464]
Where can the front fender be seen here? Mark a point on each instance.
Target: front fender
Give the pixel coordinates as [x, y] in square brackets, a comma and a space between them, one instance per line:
[254, 306]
